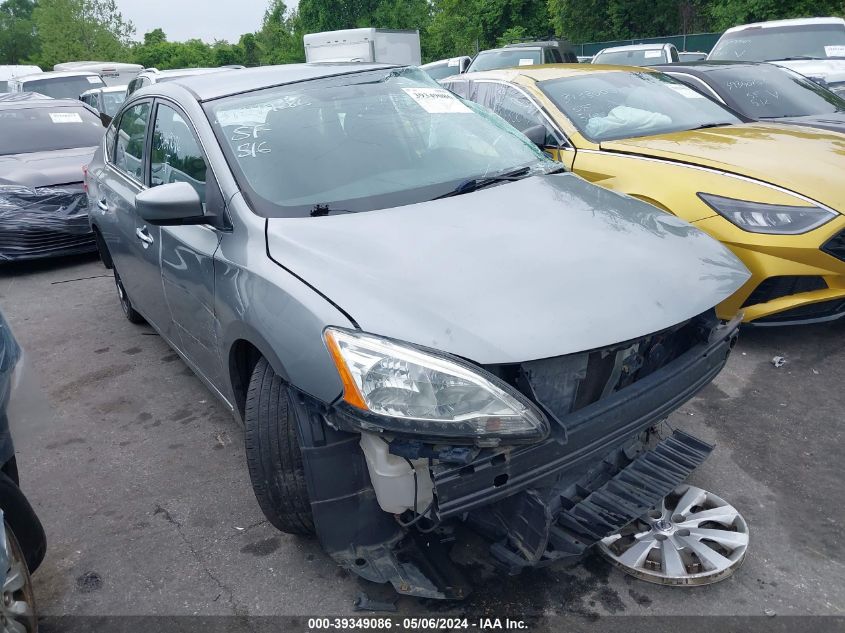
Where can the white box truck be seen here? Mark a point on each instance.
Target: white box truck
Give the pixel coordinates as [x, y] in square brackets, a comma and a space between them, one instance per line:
[383, 46]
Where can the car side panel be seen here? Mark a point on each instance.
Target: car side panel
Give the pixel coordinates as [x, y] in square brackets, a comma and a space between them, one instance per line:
[187, 271]
[259, 301]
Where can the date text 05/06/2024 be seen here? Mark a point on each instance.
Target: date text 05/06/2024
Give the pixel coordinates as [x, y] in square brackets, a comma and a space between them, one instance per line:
[415, 624]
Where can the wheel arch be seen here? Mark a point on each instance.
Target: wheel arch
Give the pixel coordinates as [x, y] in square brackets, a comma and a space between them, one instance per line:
[245, 348]
[105, 255]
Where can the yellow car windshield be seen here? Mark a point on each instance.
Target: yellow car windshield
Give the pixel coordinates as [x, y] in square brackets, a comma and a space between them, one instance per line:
[615, 105]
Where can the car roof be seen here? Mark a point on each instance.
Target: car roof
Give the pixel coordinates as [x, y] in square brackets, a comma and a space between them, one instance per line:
[703, 66]
[445, 60]
[9, 97]
[545, 72]
[634, 47]
[58, 73]
[780, 23]
[35, 102]
[105, 89]
[177, 72]
[211, 86]
[540, 44]
[510, 49]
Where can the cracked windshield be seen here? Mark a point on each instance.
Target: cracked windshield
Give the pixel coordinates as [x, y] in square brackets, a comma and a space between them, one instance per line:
[387, 139]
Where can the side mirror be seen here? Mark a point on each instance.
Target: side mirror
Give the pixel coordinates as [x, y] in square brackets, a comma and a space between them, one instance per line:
[536, 134]
[172, 204]
[464, 64]
[105, 119]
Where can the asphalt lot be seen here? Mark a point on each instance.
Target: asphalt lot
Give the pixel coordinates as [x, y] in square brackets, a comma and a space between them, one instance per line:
[139, 477]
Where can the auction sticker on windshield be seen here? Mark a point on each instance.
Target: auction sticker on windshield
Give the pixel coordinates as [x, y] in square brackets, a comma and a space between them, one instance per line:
[65, 117]
[436, 100]
[685, 91]
[835, 51]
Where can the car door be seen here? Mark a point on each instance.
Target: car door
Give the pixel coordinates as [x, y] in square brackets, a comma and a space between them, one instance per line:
[134, 251]
[187, 252]
[145, 287]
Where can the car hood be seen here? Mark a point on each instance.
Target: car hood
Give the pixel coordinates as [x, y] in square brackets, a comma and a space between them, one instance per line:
[43, 169]
[831, 70]
[545, 266]
[768, 152]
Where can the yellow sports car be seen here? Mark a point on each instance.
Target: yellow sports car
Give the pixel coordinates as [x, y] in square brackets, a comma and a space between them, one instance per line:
[774, 194]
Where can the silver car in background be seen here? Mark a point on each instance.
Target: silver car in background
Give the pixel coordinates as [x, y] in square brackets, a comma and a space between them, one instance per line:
[424, 325]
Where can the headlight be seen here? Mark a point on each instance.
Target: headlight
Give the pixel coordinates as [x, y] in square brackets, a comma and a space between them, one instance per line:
[777, 219]
[413, 391]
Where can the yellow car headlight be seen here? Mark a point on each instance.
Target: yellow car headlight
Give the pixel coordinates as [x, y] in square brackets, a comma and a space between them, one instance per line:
[775, 219]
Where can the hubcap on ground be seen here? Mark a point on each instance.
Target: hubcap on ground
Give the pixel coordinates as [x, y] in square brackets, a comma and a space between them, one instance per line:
[693, 538]
[16, 612]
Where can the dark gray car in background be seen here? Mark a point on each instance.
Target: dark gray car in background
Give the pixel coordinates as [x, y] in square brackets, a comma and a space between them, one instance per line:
[424, 326]
[758, 91]
[44, 147]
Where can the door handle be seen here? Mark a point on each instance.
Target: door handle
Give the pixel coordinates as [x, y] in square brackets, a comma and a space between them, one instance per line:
[103, 204]
[145, 237]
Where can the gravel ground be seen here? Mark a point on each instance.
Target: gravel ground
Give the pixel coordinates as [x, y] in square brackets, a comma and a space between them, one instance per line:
[139, 477]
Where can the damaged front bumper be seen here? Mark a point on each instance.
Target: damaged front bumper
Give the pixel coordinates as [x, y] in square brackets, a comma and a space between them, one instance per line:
[44, 222]
[603, 466]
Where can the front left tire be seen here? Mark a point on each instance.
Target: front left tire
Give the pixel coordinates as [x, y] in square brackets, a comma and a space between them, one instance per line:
[273, 453]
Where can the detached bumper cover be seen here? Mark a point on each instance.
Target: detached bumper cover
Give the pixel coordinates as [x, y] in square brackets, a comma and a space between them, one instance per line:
[43, 222]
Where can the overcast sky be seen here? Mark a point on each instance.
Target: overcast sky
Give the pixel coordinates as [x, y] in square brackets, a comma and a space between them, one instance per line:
[204, 19]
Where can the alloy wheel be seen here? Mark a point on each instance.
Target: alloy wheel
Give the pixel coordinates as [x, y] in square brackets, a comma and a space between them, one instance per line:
[17, 610]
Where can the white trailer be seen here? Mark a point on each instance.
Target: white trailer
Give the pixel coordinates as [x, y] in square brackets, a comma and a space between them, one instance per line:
[113, 73]
[383, 46]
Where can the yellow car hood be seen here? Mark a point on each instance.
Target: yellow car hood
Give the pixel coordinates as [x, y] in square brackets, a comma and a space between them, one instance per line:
[802, 160]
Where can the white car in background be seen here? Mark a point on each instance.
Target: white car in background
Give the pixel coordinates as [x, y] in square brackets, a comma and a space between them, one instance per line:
[152, 76]
[637, 55]
[12, 71]
[106, 101]
[814, 47]
[443, 68]
[65, 84]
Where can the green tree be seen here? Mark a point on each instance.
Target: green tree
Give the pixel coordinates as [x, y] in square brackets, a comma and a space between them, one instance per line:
[225, 54]
[727, 13]
[251, 50]
[402, 14]
[331, 15]
[461, 27]
[18, 40]
[280, 37]
[81, 29]
[156, 36]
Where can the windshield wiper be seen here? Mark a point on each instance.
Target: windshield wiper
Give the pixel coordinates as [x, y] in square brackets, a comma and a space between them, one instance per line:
[709, 125]
[794, 58]
[474, 184]
[320, 210]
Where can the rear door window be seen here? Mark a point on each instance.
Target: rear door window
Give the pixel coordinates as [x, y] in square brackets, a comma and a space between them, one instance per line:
[130, 141]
